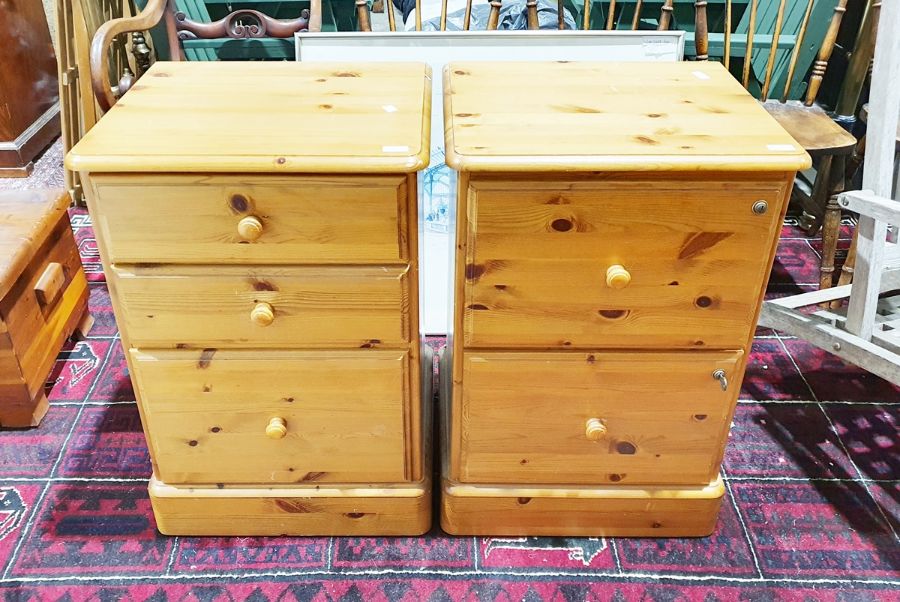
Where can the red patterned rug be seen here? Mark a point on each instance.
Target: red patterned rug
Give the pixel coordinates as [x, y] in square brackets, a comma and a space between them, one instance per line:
[812, 512]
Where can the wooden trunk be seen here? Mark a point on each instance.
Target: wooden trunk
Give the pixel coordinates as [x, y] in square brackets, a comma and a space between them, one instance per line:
[43, 298]
[29, 94]
[266, 288]
[615, 230]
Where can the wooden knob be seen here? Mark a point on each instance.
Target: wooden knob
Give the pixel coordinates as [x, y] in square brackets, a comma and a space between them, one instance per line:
[594, 429]
[262, 314]
[277, 428]
[250, 228]
[617, 277]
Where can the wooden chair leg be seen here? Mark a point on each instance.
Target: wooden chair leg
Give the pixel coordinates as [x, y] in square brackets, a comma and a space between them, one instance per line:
[831, 225]
[846, 276]
[812, 217]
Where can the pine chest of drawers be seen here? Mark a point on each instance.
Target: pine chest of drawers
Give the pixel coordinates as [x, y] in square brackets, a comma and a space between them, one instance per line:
[258, 227]
[43, 298]
[616, 225]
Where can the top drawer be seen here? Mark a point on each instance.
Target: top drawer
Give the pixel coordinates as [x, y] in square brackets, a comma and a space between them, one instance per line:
[252, 219]
[565, 264]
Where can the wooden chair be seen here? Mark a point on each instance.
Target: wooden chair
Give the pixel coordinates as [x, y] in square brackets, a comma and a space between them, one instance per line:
[609, 21]
[240, 24]
[808, 123]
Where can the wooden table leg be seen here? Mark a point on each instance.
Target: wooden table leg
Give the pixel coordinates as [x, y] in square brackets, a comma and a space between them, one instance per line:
[831, 225]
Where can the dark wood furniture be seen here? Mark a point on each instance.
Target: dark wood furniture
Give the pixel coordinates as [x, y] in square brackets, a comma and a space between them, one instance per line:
[29, 119]
[43, 298]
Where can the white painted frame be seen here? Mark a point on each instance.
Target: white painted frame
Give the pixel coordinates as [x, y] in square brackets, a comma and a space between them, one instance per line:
[869, 334]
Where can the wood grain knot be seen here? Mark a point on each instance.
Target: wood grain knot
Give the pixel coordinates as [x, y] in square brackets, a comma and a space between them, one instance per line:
[523, 500]
[698, 242]
[478, 307]
[468, 115]
[577, 109]
[626, 448]
[313, 476]
[206, 357]
[239, 203]
[263, 285]
[460, 72]
[656, 115]
[614, 314]
[703, 301]
[355, 514]
[193, 443]
[326, 107]
[346, 74]
[281, 160]
[591, 359]
[474, 271]
[321, 80]
[215, 429]
[293, 506]
[699, 417]
[615, 478]
[161, 74]
[656, 525]
[673, 283]
[500, 287]
[647, 140]
[562, 224]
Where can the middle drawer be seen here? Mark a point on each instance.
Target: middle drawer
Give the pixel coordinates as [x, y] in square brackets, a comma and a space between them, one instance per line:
[350, 307]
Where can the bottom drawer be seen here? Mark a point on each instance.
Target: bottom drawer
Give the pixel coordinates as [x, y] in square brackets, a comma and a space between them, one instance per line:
[595, 418]
[275, 416]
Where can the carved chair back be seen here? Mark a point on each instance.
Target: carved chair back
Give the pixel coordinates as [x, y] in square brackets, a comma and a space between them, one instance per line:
[239, 24]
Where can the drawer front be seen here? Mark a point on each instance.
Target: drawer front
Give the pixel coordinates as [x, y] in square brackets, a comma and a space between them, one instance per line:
[44, 304]
[275, 417]
[595, 418]
[252, 219]
[351, 307]
[616, 265]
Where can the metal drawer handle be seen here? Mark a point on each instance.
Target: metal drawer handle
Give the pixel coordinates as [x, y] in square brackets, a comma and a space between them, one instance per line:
[594, 429]
[719, 375]
[277, 428]
[250, 228]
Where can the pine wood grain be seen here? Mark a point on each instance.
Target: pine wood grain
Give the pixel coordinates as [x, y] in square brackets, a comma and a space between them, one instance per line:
[538, 251]
[524, 417]
[608, 116]
[208, 411]
[311, 510]
[27, 217]
[313, 307]
[583, 512]
[304, 219]
[265, 117]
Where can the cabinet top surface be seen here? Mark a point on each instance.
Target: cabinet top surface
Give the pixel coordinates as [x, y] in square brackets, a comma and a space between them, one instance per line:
[649, 116]
[26, 219]
[265, 117]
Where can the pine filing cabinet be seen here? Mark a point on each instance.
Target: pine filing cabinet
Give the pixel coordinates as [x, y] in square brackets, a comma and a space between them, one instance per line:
[616, 225]
[258, 227]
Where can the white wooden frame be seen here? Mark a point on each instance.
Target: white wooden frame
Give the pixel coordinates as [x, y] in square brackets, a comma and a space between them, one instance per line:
[868, 333]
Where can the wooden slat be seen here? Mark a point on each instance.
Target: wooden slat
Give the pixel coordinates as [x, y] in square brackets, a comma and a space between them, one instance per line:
[884, 106]
[586, 15]
[635, 21]
[701, 30]
[727, 34]
[795, 55]
[773, 51]
[665, 15]
[825, 50]
[748, 53]
[611, 15]
[467, 19]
